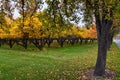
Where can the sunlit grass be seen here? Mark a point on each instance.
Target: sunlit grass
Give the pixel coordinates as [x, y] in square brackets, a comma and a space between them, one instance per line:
[54, 63]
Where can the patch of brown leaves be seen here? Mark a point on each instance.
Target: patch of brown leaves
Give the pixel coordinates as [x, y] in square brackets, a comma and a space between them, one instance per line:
[88, 75]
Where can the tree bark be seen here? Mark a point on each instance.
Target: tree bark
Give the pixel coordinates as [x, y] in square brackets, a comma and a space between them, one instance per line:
[61, 41]
[10, 43]
[0, 42]
[101, 58]
[25, 43]
[103, 32]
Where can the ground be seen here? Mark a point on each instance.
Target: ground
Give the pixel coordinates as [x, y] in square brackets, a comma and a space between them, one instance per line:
[54, 63]
[89, 74]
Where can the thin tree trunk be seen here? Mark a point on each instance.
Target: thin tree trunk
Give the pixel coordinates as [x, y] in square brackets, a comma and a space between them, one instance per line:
[41, 44]
[10, 43]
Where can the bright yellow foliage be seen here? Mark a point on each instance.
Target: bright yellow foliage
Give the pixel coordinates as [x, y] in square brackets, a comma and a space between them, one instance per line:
[35, 29]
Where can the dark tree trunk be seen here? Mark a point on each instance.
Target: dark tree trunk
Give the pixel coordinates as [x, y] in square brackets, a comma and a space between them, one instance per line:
[103, 31]
[101, 58]
[0, 42]
[10, 43]
[25, 38]
[103, 27]
[49, 41]
[25, 43]
[61, 41]
[41, 44]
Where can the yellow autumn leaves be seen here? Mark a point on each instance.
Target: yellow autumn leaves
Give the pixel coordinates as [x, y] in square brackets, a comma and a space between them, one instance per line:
[34, 28]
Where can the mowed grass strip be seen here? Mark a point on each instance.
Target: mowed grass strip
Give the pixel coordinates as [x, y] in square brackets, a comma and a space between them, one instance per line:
[54, 63]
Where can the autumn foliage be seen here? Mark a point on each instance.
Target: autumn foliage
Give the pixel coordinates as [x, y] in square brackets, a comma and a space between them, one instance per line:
[40, 32]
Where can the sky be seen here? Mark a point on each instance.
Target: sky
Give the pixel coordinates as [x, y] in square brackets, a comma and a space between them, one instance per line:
[16, 13]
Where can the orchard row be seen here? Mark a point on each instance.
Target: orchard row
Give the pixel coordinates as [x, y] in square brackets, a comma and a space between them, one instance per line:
[40, 31]
[40, 43]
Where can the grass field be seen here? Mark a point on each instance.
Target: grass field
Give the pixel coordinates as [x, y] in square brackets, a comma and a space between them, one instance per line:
[55, 63]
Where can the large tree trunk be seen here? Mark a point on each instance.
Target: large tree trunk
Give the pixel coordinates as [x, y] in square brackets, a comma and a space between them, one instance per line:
[101, 58]
[103, 29]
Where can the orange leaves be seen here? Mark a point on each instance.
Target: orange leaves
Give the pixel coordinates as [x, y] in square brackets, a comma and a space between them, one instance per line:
[82, 32]
[92, 33]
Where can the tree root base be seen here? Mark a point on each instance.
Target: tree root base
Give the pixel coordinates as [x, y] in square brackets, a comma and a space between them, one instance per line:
[88, 75]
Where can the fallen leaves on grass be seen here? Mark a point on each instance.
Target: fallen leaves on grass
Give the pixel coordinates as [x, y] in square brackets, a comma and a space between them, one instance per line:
[88, 75]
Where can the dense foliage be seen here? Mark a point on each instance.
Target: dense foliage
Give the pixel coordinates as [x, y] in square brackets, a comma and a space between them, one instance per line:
[36, 29]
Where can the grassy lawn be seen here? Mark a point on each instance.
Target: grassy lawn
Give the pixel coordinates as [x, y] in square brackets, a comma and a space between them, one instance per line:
[54, 63]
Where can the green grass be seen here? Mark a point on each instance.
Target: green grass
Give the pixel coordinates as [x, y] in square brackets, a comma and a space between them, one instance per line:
[55, 63]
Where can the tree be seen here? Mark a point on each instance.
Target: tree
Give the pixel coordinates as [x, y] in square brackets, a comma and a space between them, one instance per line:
[26, 9]
[102, 11]
[104, 14]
